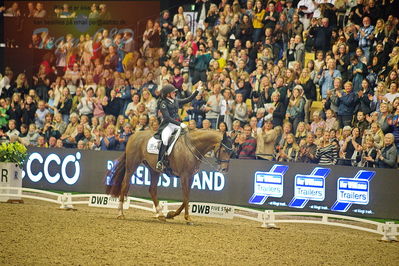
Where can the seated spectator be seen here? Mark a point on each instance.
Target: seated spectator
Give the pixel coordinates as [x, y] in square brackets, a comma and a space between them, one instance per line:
[59, 144]
[41, 142]
[12, 130]
[49, 130]
[301, 132]
[387, 157]
[59, 124]
[361, 122]
[192, 125]
[70, 131]
[393, 92]
[206, 124]
[331, 121]
[393, 122]
[33, 135]
[237, 129]
[81, 145]
[52, 142]
[318, 122]
[23, 135]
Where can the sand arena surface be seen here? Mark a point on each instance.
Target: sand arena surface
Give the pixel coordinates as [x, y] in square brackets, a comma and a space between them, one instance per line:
[37, 233]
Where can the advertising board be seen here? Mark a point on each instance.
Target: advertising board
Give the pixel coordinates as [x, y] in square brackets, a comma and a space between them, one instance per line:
[251, 183]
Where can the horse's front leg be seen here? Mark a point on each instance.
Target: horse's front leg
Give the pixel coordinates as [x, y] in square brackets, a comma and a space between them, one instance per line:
[185, 184]
[153, 192]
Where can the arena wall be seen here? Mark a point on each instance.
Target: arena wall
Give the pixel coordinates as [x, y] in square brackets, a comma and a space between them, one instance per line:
[362, 192]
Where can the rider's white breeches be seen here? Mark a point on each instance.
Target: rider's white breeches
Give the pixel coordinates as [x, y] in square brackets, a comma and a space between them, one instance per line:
[167, 132]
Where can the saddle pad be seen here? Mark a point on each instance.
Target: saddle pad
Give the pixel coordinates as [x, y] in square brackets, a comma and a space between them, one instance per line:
[154, 144]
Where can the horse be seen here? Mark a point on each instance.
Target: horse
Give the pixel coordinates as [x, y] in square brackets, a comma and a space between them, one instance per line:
[184, 160]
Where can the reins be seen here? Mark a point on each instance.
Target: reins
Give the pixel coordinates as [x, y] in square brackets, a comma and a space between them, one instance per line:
[201, 157]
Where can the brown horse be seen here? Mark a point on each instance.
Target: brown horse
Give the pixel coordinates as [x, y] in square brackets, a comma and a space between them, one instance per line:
[184, 161]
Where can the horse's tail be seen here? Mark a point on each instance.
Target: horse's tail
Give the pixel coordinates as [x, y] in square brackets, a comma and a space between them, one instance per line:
[114, 177]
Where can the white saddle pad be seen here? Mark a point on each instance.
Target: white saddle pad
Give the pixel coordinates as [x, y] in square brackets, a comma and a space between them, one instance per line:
[154, 144]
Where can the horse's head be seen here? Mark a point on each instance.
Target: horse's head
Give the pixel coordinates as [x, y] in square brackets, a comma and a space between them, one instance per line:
[223, 153]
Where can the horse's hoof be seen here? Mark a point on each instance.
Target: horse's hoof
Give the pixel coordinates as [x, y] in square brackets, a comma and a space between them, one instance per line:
[189, 223]
[121, 217]
[170, 215]
[162, 218]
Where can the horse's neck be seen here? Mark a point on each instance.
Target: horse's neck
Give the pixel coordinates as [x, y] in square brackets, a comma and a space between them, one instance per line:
[204, 141]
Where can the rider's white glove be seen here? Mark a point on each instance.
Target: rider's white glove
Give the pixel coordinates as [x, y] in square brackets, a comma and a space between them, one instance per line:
[200, 88]
[183, 126]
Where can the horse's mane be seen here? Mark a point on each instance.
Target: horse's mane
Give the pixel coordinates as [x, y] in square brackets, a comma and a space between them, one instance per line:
[194, 135]
[212, 135]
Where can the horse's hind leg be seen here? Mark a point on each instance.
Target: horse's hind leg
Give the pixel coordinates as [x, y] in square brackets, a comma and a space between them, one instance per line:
[153, 192]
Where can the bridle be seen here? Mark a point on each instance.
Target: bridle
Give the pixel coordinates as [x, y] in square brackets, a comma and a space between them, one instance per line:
[197, 154]
[217, 153]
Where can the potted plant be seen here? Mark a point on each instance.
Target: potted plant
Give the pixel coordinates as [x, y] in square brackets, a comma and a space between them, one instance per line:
[12, 157]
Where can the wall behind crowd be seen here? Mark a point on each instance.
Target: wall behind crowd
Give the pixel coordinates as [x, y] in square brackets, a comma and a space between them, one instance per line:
[266, 66]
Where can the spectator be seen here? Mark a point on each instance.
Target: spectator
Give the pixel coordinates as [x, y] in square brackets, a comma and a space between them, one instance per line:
[240, 109]
[296, 107]
[289, 151]
[327, 152]
[247, 147]
[352, 148]
[369, 154]
[33, 135]
[346, 103]
[327, 77]
[364, 36]
[108, 140]
[12, 130]
[86, 106]
[387, 157]
[322, 35]
[257, 21]
[212, 107]
[307, 151]
[65, 105]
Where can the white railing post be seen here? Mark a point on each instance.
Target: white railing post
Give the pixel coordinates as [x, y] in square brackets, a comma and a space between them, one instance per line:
[65, 201]
[269, 219]
[164, 207]
[390, 230]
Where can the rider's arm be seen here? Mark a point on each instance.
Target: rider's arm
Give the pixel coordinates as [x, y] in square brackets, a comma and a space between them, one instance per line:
[188, 99]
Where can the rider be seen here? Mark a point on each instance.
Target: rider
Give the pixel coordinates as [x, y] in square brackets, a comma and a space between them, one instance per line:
[169, 107]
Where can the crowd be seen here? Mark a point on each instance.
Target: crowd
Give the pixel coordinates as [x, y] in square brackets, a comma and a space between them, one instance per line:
[309, 81]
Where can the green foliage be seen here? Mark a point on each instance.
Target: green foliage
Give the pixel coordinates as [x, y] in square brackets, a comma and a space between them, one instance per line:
[13, 153]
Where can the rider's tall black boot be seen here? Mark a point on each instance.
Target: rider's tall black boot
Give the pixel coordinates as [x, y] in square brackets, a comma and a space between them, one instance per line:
[161, 155]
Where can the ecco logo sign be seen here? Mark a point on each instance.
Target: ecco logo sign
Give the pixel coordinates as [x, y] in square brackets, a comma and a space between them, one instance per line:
[53, 168]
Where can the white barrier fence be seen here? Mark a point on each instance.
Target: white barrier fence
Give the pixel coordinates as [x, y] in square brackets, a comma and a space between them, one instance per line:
[267, 218]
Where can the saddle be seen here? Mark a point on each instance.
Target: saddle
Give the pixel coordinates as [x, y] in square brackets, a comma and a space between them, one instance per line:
[154, 143]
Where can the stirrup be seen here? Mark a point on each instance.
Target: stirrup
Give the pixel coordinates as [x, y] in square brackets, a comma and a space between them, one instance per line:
[160, 166]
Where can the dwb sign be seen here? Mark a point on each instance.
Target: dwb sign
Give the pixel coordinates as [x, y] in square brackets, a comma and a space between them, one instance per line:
[211, 210]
